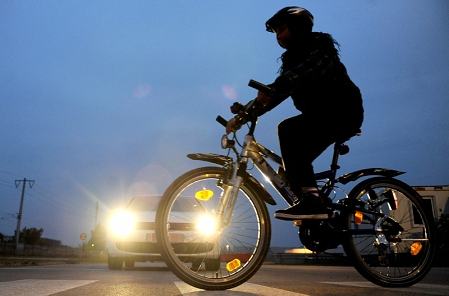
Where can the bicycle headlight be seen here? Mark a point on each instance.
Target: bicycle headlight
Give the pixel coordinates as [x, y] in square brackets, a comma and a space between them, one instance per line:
[122, 223]
[226, 143]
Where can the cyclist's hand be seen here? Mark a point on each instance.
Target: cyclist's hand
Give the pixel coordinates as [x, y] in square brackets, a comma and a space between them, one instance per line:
[230, 126]
[263, 98]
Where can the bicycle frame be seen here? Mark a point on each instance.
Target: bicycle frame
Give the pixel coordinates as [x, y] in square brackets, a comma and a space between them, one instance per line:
[257, 153]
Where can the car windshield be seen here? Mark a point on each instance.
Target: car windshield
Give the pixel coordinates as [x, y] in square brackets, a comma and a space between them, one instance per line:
[187, 204]
[150, 203]
[143, 203]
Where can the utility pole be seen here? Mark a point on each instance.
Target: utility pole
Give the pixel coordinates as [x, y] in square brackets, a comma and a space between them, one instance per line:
[96, 215]
[19, 218]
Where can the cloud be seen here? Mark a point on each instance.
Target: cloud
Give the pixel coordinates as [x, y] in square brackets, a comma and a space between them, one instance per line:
[142, 90]
[229, 92]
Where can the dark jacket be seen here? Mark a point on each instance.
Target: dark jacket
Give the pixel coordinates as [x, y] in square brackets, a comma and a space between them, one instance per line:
[315, 78]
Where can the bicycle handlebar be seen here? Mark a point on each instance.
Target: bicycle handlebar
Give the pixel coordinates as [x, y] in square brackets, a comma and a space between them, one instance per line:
[254, 84]
[221, 121]
[262, 87]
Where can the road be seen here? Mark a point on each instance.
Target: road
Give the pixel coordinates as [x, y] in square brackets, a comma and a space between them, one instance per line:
[157, 279]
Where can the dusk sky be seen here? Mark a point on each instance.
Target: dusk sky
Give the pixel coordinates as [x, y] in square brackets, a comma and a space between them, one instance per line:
[102, 100]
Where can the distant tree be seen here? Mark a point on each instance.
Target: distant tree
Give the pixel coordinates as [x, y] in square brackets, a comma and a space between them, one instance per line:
[2, 237]
[97, 242]
[30, 236]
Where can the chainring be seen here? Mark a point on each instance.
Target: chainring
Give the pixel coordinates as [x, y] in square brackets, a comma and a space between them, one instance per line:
[318, 235]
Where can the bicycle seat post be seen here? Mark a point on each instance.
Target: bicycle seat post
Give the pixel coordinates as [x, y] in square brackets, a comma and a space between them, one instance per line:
[334, 164]
[341, 149]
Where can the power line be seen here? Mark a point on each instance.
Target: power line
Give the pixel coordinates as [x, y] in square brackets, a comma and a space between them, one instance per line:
[9, 173]
[9, 184]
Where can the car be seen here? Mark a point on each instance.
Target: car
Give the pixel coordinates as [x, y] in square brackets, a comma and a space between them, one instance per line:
[132, 238]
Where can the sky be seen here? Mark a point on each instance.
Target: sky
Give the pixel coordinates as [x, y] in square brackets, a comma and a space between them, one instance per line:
[102, 100]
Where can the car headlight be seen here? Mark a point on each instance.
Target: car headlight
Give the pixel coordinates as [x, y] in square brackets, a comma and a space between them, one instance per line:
[206, 225]
[122, 223]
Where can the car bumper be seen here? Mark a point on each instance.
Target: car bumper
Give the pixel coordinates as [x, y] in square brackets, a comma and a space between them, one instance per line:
[143, 247]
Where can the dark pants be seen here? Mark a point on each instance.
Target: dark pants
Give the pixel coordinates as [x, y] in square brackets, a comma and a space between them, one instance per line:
[304, 137]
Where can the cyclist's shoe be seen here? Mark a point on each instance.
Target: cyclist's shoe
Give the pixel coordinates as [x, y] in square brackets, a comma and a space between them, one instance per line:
[310, 207]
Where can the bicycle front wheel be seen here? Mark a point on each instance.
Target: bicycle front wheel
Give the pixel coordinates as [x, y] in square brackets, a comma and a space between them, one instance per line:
[224, 258]
[391, 236]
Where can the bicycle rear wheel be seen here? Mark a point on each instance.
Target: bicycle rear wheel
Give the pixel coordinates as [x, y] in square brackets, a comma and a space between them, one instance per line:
[220, 260]
[396, 242]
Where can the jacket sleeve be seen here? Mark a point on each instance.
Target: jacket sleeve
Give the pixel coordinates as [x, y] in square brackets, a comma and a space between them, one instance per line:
[275, 100]
[320, 60]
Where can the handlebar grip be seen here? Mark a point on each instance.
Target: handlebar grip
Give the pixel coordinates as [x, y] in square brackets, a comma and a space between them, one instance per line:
[221, 120]
[262, 87]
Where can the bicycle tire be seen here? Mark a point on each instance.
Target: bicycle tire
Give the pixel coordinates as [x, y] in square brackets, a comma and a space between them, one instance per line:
[406, 256]
[246, 237]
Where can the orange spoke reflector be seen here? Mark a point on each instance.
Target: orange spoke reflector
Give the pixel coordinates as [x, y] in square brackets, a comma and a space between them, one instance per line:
[415, 248]
[358, 217]
[297, 223]
[233, 265]
[204, 194]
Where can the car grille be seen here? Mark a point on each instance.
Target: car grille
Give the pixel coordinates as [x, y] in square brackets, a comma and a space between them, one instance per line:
[192, 248]
[182, 226]
[173, 226]
[137, 247]
[180, 248]
[144, 226]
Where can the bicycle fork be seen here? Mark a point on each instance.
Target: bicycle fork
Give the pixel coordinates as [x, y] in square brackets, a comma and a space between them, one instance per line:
[228, 198]
[232, 186]
[227, 201]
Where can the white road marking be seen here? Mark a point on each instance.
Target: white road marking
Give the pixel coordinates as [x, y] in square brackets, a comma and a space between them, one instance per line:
[39, 287]
[417, 288]
[243, 289]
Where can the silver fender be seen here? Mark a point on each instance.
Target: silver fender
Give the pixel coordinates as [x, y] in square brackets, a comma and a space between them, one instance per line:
[249, 180]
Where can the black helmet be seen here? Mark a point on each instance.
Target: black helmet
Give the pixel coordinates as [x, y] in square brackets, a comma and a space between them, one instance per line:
[298, 19]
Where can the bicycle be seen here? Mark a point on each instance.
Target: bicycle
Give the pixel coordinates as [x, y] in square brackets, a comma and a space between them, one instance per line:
[375, 223]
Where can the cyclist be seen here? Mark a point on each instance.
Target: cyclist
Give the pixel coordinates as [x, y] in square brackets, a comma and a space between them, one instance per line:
[330, 104]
